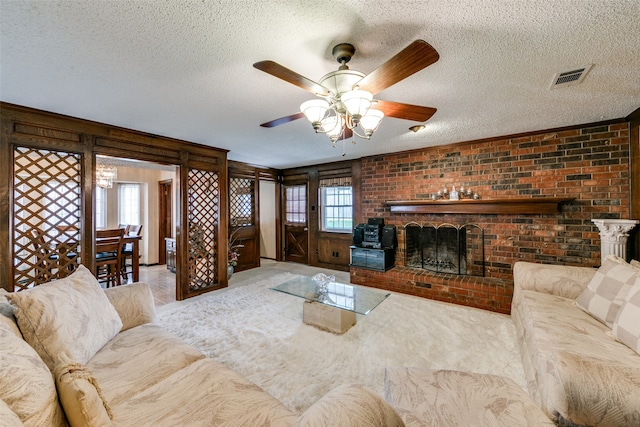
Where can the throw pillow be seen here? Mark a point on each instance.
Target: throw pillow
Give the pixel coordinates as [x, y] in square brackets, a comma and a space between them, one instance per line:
[26, 384]
[70, 315]
[626, 327]
[607, 290]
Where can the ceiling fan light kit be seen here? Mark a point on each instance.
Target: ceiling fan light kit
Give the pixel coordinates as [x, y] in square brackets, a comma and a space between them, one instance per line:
[346, 96]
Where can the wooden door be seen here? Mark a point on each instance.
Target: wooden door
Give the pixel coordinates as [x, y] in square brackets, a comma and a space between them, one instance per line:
[165, 217]
[296, 230]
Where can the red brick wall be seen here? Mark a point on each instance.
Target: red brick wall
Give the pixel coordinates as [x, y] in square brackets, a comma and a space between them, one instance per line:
[590, 164]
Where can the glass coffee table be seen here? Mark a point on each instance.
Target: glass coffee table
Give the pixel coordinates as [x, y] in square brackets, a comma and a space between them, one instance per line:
[330, 305]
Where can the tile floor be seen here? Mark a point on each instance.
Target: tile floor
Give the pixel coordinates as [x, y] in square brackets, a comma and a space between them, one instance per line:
[163, 282]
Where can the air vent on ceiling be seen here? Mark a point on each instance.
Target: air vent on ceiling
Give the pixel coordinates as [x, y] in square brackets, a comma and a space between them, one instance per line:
[570, 78]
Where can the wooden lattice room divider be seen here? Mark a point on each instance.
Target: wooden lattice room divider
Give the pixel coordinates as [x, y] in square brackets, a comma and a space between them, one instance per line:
[46, 215]
[203, 215]
[241, 202]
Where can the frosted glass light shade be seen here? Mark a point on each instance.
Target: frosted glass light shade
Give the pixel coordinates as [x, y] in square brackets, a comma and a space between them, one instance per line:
[357, 102]
[370, 121]
[332, 126]
[315, 110]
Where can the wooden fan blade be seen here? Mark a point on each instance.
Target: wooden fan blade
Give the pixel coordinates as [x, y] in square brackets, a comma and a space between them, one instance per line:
[291, 76]
[282, 120]
[410, 60]
[404, 111]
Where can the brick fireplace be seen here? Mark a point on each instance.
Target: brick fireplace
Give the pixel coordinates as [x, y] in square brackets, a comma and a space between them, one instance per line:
[589, 164]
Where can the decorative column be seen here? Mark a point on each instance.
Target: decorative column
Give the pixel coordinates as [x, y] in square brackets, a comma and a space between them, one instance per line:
[613, 236]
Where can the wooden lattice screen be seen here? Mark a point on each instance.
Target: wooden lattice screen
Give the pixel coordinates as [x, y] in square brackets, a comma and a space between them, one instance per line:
[46, 215]
[203, 215]
[241, 202]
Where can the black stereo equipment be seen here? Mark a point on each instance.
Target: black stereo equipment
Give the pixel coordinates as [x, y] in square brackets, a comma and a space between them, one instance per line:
[389, 237]
[358, 235]
[376, 221]
[372, 236]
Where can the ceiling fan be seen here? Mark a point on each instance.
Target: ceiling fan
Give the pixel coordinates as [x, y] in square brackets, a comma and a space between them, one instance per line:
[345, 97]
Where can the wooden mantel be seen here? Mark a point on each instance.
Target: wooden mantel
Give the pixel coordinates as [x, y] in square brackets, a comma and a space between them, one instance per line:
[518, 205]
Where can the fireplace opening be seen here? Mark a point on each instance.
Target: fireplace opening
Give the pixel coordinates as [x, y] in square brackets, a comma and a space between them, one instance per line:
[445, 248]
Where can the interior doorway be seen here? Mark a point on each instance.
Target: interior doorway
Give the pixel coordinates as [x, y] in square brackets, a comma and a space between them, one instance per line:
[268, 225]
[165, 219]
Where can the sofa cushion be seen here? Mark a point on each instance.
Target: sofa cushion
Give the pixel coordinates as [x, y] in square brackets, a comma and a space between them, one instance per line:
[138, 358]
[8, 418]
[7, 314]
[134, 304]
[70, 315]
[554, 330]
[81, 396]
[626, 327]
[26, 384]
[426, 397]
[591, 392]
[607, 290]
[205, 393]
[350, 405]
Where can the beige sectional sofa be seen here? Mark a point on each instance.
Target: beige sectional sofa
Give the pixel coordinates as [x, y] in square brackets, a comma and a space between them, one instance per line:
[82, 356]
[569, 323]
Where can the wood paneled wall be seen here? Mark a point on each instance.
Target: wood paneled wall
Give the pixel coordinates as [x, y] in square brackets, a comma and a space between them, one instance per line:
[328, 250]
[249, 236]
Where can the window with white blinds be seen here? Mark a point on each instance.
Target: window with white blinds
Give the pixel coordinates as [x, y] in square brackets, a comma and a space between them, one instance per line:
[336, 205]
[129, 204]
[101, 208]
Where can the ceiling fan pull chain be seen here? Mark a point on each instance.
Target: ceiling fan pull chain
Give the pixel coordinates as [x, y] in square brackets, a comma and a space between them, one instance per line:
[344, 151]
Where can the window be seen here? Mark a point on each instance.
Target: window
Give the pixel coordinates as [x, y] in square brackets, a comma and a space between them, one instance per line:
[129, 204]
[296, 196]
[101, 208]
[336, 205]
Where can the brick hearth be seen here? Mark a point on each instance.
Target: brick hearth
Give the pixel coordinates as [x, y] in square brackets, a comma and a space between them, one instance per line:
[473, 291]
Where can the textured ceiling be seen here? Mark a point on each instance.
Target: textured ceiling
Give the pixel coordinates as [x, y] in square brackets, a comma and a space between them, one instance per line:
[184, 68]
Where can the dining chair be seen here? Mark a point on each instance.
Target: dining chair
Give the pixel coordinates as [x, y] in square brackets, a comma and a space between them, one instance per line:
[46, 259]
[127, 252]
[109, 256]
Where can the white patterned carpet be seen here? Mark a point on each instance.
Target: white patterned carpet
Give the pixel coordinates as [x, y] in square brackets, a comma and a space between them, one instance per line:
[259, 333]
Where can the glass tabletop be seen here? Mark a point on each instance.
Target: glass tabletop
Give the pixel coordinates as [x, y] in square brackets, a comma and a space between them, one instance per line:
[354, 298]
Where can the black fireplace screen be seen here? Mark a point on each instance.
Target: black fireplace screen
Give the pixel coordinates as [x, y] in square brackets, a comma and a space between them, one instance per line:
[445, 248]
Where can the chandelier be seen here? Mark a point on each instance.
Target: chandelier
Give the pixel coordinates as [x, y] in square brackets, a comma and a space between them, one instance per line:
[105, 174]
[346, 110]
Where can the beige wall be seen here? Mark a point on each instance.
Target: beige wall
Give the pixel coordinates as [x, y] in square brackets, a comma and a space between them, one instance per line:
[268, 219]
